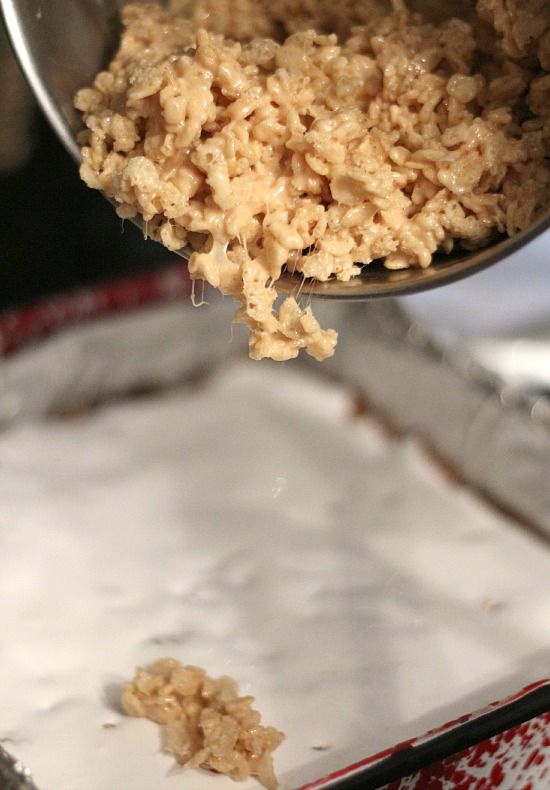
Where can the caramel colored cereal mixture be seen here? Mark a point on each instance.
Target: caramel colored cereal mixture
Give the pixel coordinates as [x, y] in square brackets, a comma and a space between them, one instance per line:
[284, 133]
[207, 724]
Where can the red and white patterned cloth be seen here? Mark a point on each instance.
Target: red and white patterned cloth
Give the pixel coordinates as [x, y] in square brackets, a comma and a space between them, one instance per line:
[516, 757]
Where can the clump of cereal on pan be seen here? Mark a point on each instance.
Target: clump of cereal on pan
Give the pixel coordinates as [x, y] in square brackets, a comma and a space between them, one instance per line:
[206, 723]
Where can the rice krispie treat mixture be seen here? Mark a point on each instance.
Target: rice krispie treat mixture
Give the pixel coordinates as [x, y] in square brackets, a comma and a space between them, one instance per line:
[207, 723]
[315, 135]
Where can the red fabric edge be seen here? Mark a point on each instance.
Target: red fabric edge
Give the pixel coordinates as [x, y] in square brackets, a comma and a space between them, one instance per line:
[375, 758]
[20, 327]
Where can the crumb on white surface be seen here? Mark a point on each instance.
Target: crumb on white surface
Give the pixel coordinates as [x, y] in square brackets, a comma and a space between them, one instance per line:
[207, 724]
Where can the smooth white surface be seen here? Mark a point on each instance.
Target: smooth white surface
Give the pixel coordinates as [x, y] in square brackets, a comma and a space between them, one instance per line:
[506, 299]
[524, 362]
[253, 528]
[501, 316]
